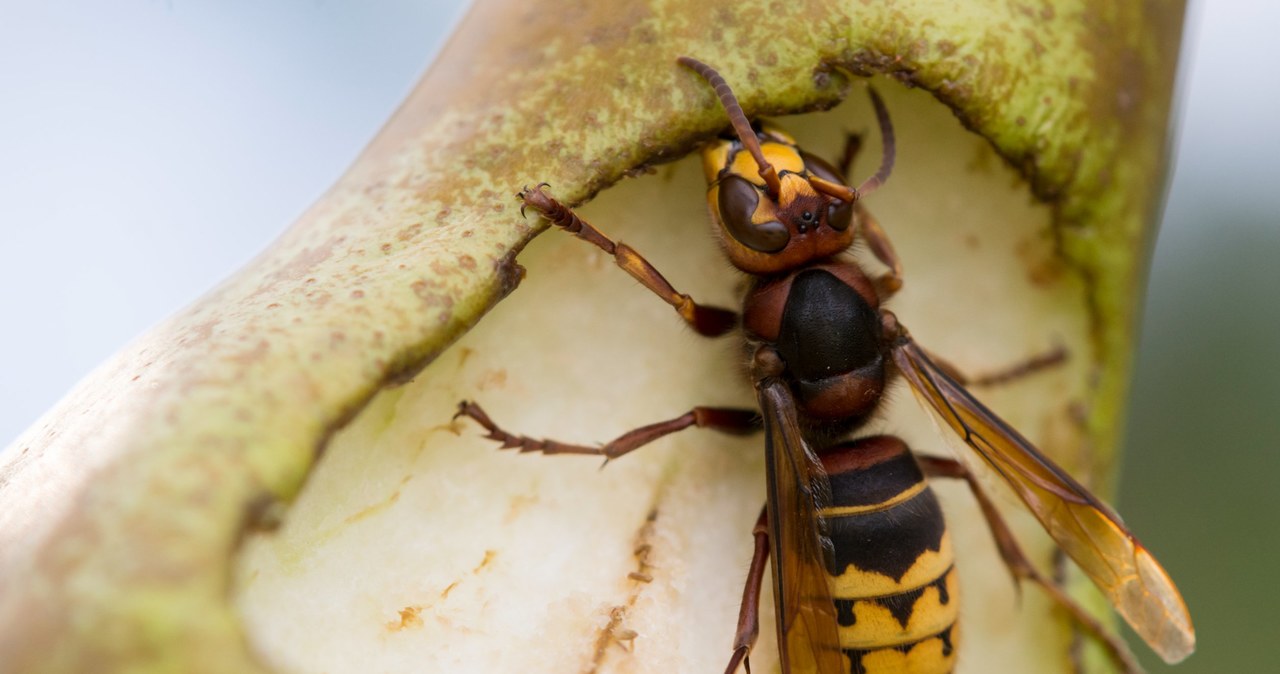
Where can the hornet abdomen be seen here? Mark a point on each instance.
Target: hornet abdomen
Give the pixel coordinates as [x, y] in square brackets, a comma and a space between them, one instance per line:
[891, 569]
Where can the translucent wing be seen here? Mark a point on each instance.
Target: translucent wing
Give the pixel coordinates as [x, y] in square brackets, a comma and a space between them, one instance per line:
[1083, 526]
[797, 484]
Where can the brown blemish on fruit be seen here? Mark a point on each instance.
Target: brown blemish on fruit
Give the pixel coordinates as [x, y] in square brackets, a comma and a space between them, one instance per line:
[1043, 268]
[519, 504]
[410, 616]
[306, 260]
[489, 555]
[410, 232]
[369, 511]
[495, 378]
[614, 632]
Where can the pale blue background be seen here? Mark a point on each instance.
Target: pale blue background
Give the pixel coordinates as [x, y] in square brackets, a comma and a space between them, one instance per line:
[148, 149]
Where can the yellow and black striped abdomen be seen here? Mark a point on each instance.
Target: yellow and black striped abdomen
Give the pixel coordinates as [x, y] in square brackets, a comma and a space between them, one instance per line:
[891, 573]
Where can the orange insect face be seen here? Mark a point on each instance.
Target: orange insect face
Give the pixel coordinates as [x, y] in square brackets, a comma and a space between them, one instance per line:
[763, 234]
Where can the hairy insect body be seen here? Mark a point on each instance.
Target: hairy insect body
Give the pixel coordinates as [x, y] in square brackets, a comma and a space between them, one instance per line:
[891, 568]
[889, 564]
[824, 324]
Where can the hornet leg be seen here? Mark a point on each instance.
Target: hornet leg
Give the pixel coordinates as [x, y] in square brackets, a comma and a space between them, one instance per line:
[875, 235]
[724, 419]
[705, 320]
[1020, 568]
[749, 613]
[1023, 368]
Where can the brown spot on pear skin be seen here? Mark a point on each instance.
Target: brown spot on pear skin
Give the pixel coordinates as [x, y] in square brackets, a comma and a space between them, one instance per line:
[305, 260]
[410, 232]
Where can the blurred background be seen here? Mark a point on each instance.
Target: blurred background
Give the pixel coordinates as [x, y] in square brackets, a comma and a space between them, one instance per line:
[149, 149]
